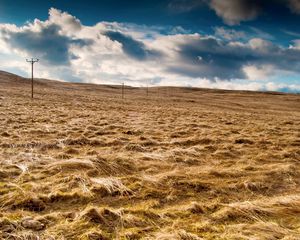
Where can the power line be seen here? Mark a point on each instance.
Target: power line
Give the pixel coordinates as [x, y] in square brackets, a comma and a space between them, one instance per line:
[32, 61]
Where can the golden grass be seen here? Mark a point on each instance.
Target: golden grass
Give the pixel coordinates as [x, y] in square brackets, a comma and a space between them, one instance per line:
[78, 162]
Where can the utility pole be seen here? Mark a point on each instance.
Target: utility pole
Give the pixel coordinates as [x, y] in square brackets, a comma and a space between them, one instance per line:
[32, 61]
[147, 89]
[122, 90]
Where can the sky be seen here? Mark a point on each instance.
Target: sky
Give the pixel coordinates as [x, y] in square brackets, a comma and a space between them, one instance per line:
[225, 44]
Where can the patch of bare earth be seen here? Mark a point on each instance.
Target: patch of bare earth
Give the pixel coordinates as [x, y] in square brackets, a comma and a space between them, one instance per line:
[78, 162]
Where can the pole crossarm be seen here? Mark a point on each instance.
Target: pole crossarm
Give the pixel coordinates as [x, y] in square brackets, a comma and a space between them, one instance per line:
[32, 60]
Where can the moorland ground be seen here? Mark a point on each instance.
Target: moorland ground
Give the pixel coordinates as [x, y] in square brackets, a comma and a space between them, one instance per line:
[80, 162]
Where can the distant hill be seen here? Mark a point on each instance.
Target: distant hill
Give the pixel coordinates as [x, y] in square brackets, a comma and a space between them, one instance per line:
[6, 77]
[12, 79]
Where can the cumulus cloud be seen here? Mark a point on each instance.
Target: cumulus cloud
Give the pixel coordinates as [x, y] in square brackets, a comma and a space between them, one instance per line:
[44, 39]
[258, 72]
[201, 56]
[294, 6]
[235, 11]
[232, 34]
[229, 34]
[118, 52]
[131, 47]
[206, 56]
[47, 44]
[68, 23]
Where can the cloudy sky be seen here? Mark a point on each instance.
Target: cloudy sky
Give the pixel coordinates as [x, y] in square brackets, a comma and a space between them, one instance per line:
[229, 44]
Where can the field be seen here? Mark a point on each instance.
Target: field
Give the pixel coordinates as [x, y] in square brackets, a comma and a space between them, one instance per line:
[80, 162]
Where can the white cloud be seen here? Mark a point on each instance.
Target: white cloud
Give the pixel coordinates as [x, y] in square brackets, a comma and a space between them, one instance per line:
[68, 23]
[262, 45]
[235, 11]
[272, 86]
[294, 6]
[255, 73]
[296, 44]
[229, 34]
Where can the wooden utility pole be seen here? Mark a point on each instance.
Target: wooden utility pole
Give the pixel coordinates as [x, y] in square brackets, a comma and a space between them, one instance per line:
[32, 61]
[122, 90]
[147, 89]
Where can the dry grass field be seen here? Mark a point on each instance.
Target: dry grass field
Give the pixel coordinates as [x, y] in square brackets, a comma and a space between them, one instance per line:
[80, 162]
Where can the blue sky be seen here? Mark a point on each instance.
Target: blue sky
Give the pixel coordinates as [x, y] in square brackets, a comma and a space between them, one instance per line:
[232, 44]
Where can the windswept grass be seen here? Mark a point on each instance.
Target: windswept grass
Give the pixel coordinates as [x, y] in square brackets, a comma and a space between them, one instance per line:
[78, 162]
